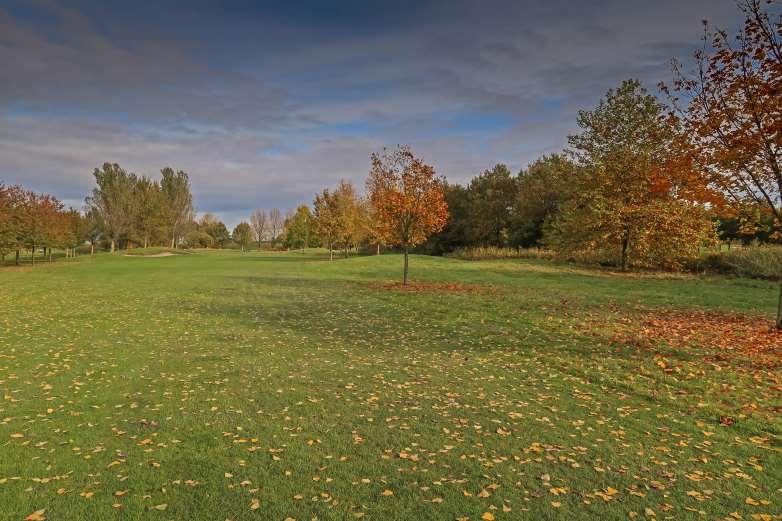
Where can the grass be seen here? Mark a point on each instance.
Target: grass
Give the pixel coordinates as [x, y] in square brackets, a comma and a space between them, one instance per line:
[221, 385]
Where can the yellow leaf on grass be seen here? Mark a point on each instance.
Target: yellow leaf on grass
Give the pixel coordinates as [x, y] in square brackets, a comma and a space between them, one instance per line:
[36, 516]
[255, 504]
[387, 492]
[487, 516]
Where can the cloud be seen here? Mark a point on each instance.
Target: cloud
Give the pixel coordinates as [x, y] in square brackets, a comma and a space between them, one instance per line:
[264, 106]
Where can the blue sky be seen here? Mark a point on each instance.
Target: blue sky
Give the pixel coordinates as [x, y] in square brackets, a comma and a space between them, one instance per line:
[265, 103]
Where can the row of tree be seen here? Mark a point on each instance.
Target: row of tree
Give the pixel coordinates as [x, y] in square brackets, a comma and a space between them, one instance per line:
[33, 221]
[137, 210]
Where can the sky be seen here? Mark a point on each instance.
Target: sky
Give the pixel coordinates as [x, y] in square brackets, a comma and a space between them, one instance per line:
[266, 103]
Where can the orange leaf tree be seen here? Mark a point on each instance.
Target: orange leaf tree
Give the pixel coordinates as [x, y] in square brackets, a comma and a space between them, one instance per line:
[408, 199]
[732, 108]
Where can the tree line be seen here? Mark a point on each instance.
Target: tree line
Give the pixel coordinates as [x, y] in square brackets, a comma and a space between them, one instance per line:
[646, 181]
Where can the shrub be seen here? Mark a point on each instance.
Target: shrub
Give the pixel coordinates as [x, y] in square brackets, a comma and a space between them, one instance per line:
[761, 262]
[494, 252]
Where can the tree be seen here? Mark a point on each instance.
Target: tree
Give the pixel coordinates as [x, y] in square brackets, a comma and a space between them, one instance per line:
[298, 228]
[540, 193]
[628, 172]
[243, 235]
[408, 199]
[732, 108]
[215, 228]
[350, 216]
[276, 222]
[150, 214]
[492, 194]
[178, 201]
[325, 219]
[8, 232]
[259, 222]
[458, 232]
[112, 200]
[94, 227]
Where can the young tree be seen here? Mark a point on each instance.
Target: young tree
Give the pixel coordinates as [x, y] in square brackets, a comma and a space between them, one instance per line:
[276, 222]
[350, 216]
[178, 201]
[243, 235]
[326, 220]
[113, 201]
[732, 108]
[622, 179]
[259, 222]
[408, 199]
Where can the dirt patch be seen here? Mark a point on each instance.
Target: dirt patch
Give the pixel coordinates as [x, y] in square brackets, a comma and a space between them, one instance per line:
[433, 287]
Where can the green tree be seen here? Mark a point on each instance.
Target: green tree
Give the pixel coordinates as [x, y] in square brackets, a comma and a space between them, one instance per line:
[298, 231]
[541, 189]
[625, 178]
[243, 235]
[113, 201]
[492, 195]
[178, 202]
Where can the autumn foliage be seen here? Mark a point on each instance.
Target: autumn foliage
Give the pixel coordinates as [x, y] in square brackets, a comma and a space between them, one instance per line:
[408, 199]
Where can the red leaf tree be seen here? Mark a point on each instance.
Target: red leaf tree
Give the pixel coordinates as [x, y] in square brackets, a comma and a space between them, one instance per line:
[732, 109]
[408, 199]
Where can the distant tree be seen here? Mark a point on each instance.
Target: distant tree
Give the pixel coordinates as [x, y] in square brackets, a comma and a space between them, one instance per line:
[298, 228]
[215, 228]
[458, 232]
[243, 235]
[492, 195]
[259, 222]
[178, 202]
[350, 215]
[113, 201]
[150, 215]
[541, 190]
[408, 199]
[276, 222]
[325, 219]
[732, 110]
[94, 227]
[8, 233]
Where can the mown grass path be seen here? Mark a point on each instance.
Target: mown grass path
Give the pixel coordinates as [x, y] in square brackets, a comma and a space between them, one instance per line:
[272, 386]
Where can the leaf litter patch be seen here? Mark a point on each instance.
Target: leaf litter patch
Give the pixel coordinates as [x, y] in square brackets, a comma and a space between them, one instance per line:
[433, 287]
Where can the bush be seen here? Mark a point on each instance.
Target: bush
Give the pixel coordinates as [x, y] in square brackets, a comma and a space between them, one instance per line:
[494, 252]
[761, 262]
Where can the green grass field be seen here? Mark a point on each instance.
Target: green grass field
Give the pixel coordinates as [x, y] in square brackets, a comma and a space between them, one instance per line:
[270, 386]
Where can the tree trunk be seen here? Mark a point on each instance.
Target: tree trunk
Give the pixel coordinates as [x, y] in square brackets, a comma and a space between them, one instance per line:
[779, 308]
[331, 252]
[111, 250]
[377, 251]
[173, 239]
[346, 250]
[404, 277]
[92, 248]
[17, 257]
[32, 256]
[623, 259]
